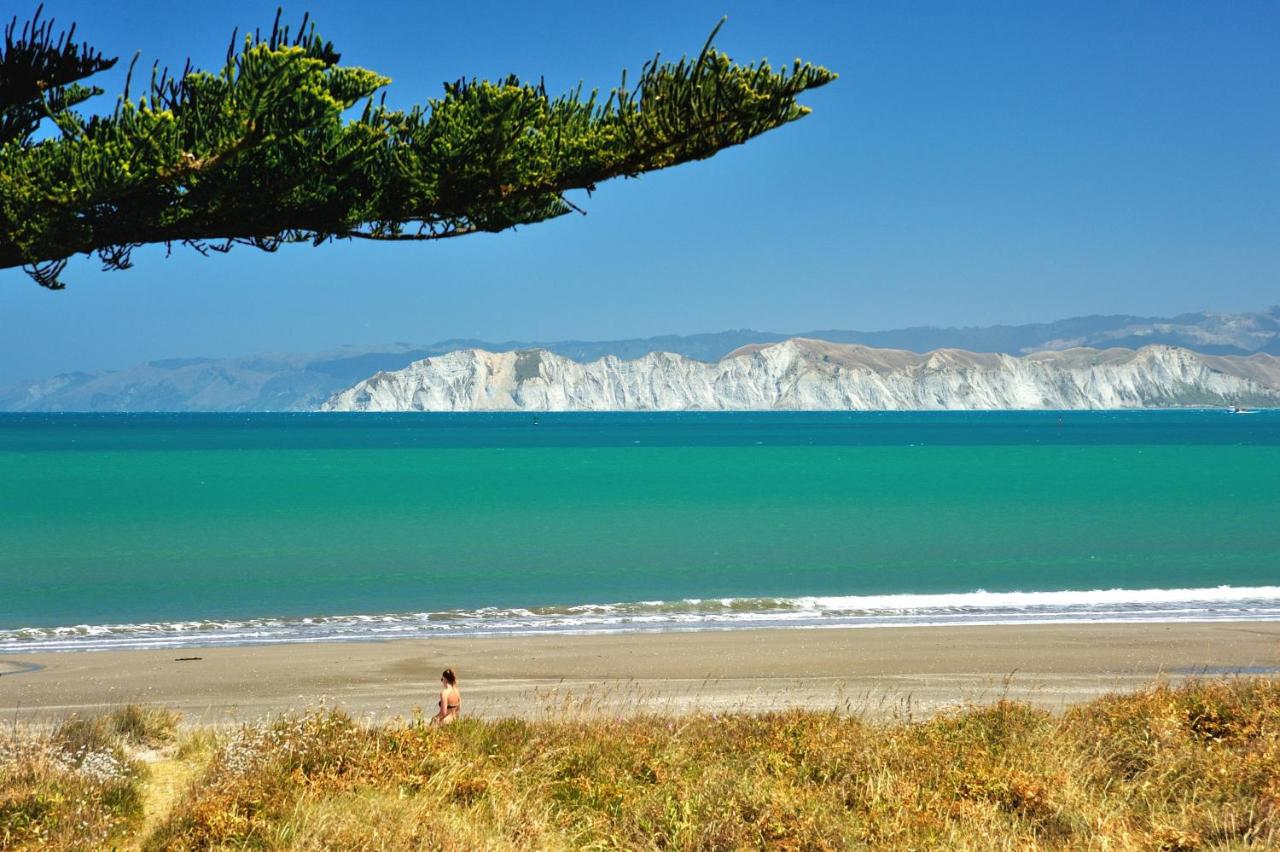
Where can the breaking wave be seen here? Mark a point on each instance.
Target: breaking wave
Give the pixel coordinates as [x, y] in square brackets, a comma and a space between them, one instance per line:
[1222, 603]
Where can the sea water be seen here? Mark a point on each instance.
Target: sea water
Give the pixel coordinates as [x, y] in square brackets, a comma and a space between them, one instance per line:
[121, 530]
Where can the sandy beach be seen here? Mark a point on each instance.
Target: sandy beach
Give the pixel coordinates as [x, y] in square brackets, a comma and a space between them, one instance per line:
[880, 672]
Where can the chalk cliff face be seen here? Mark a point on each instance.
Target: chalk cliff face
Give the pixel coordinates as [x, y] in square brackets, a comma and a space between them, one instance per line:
[302, 381]
[802, 374]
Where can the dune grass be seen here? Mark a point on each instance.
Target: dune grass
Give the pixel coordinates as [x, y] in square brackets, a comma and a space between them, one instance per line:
[77, 786]
[1177, 768]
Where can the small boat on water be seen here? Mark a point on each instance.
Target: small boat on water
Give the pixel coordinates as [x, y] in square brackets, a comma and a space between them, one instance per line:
[1232, 409]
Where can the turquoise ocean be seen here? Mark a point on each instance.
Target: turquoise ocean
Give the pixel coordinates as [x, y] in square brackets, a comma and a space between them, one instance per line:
[150, 530]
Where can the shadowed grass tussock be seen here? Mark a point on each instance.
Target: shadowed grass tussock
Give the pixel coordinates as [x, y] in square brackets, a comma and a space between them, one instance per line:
[1176, 768]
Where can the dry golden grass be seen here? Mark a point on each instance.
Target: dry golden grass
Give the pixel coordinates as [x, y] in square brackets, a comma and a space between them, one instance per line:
[77, 787]
[1192, 767]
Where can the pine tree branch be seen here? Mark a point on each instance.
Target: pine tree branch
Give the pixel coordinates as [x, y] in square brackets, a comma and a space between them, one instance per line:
[260, 153]
[37, 73]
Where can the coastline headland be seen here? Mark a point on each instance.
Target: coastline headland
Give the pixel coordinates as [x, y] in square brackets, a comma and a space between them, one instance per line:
[816, 375]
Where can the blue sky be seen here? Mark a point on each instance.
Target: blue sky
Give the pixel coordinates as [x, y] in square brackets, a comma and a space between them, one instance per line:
[975, 163]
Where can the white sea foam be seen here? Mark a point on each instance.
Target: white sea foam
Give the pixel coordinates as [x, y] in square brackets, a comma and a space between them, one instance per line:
[1221, 603]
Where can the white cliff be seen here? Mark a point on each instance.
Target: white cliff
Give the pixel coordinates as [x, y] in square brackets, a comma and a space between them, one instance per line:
[802, 374]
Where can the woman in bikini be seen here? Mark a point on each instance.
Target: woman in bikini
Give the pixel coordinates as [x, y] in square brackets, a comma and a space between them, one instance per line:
[450, 699]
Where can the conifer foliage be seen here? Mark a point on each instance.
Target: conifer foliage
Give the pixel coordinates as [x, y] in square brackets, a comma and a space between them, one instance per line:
[264, 152]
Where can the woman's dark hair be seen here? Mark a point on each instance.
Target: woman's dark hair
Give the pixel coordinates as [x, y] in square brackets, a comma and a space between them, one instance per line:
[449, 677]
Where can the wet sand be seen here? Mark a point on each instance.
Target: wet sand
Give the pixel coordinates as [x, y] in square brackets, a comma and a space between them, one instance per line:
[880, 672]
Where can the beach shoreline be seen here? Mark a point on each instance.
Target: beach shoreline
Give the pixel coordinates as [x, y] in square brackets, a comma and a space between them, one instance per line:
[883, 672]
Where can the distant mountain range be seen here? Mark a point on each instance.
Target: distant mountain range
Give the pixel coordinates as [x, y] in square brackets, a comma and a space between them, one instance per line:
[299, 381]
[814, 375]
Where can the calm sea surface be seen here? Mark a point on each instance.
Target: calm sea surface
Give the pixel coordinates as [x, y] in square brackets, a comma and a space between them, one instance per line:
[129, 530]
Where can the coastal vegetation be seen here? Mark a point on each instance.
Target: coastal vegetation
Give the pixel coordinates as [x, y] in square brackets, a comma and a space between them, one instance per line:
[1194, 766]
